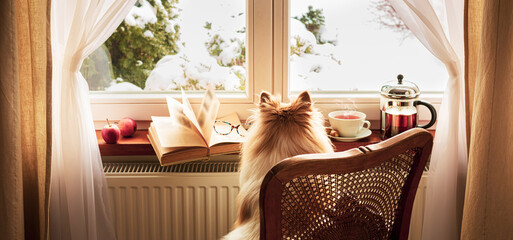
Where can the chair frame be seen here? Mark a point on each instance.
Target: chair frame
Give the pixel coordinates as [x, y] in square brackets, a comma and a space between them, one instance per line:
[353, 160]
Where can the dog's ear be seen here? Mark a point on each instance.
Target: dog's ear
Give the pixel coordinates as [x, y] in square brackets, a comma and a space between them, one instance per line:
[304, 97]
[303, 101]
[265, 98]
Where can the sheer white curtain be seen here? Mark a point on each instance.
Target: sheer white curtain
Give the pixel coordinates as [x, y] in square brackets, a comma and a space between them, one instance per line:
[79, 206]
[442, 34]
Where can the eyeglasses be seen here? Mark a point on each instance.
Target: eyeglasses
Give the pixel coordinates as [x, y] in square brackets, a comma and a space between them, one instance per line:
[225, 128]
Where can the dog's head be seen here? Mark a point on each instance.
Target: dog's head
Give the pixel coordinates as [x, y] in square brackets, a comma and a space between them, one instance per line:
[296, 127]
[298, 114]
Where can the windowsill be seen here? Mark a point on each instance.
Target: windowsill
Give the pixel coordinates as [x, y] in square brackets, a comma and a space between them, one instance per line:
[138, 145]
[135, 145]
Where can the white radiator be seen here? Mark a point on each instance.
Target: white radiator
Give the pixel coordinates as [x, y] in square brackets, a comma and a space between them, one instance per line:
[417, 214]
[187, 201]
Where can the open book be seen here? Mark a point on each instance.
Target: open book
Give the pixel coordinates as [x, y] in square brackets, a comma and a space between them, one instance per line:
[184, 136]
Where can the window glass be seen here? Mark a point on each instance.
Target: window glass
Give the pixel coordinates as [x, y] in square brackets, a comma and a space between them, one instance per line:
[355, 45]
[167, 45]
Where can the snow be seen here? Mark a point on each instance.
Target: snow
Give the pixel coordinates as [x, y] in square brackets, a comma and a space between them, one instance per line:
[239, 70]
[123, 87]
[140, 16]
[327, 49]
[313, 72]
[229, 53]
[173, 71]
[168, 74]
[161, 7]
[170, 26]
[298, 30]
[148, 33]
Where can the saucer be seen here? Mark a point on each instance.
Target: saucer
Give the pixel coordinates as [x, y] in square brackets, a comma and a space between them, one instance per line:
[362, 134]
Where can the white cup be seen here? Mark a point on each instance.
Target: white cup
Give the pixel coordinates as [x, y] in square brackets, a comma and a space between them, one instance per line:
[348, 123]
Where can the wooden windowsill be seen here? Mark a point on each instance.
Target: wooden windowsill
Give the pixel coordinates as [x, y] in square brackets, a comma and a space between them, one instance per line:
[138, 144]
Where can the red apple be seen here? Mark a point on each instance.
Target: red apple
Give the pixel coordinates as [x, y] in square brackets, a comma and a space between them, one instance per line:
[127, 126]
[110, 133]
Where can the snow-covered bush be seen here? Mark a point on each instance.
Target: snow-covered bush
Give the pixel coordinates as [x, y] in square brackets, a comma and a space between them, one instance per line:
[177, 71]
[167, 74]
[313, 63]
[313, 20]
[229, 49]
[302, 41]
[147, 34]
[228, 52]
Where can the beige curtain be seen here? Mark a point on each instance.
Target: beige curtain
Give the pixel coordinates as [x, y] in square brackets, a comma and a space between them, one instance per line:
[25, 122]
[488, 210]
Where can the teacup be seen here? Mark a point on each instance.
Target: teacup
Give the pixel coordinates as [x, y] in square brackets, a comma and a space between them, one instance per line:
[348, 123]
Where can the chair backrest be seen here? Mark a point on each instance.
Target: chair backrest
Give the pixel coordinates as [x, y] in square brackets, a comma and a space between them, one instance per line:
[362, 193]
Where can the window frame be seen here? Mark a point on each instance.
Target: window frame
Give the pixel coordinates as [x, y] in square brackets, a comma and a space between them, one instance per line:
[267, 38]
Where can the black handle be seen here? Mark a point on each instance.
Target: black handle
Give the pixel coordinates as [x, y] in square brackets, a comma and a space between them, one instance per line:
[431, 109]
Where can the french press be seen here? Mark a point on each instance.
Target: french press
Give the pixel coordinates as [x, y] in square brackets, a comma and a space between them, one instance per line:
[399, 101]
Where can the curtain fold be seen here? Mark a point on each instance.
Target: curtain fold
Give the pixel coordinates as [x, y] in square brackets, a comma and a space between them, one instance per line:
[441, 32]
[488, 212]
[79, 207]
[11, 185]
[25, 107]
[473, 28]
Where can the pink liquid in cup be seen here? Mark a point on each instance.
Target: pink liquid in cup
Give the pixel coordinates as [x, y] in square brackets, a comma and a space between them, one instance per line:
[347, 116]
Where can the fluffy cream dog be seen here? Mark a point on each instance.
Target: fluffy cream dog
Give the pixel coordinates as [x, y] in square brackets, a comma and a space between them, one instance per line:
[279, 131]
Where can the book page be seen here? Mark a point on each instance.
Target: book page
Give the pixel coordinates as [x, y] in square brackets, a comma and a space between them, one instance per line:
[181, 110]
[233, 137]
[177, 131]
[187, 110]
[207, 114]
[157, 146]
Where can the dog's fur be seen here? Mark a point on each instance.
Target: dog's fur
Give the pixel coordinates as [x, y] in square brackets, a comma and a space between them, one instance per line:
[279, 131]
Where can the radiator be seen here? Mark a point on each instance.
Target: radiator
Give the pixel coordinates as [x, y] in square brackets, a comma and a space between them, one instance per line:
[187, 201]
[417, 214]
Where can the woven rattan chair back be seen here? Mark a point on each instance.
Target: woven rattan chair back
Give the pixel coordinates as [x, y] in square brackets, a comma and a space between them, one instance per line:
[364, 193]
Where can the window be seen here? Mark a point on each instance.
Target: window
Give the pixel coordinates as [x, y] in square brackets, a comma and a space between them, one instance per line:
[355, 46]
[341, 51]
[168, 45]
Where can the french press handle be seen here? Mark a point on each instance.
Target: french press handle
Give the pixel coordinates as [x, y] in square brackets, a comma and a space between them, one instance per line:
[431, 109]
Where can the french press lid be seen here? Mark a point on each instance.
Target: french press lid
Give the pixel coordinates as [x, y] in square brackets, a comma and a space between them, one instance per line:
[400, 89]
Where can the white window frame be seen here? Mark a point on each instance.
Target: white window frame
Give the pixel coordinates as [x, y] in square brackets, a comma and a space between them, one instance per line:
[267, 58]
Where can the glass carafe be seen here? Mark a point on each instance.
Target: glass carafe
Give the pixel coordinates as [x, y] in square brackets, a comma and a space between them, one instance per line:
[399, 101]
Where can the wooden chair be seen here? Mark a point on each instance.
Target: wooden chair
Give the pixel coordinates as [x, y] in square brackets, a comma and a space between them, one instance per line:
[362, 193]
